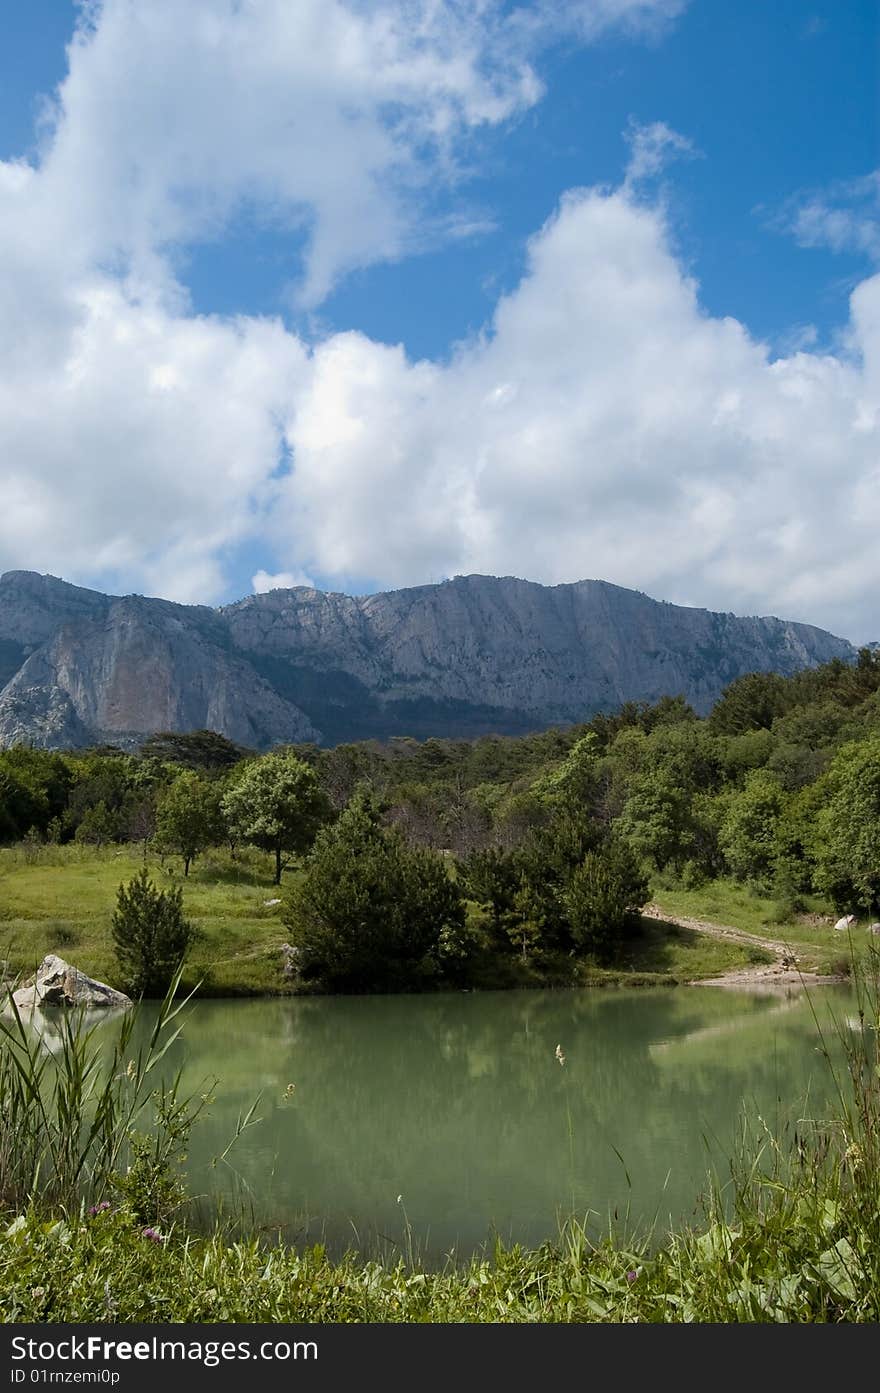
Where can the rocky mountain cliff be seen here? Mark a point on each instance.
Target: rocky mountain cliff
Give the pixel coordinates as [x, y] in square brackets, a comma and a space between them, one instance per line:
[469, 656]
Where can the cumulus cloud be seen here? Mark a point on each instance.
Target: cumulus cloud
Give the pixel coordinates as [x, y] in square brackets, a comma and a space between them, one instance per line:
[602, 425]
[142, 443]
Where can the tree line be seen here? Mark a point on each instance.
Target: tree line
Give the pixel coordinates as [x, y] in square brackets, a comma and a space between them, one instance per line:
[414, 860]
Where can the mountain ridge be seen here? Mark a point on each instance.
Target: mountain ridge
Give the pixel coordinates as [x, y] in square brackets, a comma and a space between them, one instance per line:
[469, 655]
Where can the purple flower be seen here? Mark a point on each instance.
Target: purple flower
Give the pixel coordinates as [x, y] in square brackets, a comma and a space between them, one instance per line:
[631, 1276]
[153, 1234]
[99, 1208]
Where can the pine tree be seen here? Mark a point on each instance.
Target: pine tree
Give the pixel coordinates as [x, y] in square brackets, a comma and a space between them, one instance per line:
[150, 934]
[368, 912]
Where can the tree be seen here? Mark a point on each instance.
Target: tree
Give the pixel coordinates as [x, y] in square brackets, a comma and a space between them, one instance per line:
[150, 934]
[188, 817]
[277, 804]
[749, 832]
[603, 898]
[751, 702]
[369, 911]
[656, 819]
[847, 841]
[204, 750]
[98, 826]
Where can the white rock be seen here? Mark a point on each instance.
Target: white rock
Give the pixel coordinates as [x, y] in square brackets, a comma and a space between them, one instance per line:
[57, 983]
[846, 922]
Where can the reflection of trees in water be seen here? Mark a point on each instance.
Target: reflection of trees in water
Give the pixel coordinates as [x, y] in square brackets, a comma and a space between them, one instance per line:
[458, 1103]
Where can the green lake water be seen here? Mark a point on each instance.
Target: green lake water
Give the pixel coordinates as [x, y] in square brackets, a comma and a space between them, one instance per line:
[450, 1117]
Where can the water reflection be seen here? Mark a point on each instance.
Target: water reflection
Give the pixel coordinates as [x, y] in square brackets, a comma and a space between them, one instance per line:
[452, 1114]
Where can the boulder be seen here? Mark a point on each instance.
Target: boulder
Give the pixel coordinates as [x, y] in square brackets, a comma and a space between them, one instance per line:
[846, 922]
[874, 928]
[57, 983]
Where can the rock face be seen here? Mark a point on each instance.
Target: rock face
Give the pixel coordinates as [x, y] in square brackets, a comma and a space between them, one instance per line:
[469, 656]
[57, 983]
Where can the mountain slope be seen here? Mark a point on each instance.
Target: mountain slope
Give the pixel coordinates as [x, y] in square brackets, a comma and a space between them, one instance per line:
[468, 656]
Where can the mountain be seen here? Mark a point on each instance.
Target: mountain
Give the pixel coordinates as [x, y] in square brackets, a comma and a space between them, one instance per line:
[472, 655]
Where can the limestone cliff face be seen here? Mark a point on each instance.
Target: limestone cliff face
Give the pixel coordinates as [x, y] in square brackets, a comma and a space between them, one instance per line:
[470, 655]
[122, 668]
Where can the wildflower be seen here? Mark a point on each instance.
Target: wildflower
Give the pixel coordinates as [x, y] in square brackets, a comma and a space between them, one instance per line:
[559, 1055]
[99, 1208]
[38, 1293]
[631, 1276]
[153, 1234]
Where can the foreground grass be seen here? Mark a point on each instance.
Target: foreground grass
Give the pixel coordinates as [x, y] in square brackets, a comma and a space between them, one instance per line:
[802, 1253]
[60, 900]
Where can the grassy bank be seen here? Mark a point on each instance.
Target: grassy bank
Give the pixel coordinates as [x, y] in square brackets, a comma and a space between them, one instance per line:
[60, 900]
[807, 1257]
[811, 937]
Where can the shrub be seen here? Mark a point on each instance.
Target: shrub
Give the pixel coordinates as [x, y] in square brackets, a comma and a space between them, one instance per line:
[150, 934]
[603, 897]
[370, 913]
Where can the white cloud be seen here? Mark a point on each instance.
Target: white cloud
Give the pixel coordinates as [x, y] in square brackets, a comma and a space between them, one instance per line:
[843, 218]
[652, 148]
[606, 426]
[263, 582]
[603, 425]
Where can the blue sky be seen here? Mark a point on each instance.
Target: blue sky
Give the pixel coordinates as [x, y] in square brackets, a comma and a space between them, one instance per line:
[364, 294]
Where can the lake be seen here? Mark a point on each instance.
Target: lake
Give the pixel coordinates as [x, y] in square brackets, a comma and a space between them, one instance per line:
[443, 1119]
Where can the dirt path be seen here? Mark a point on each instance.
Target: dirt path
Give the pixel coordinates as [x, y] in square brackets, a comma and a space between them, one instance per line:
[786, 970]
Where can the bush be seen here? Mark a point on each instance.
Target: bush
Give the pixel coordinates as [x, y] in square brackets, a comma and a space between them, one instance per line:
[371, 914]
[150, 935]
[603, 898]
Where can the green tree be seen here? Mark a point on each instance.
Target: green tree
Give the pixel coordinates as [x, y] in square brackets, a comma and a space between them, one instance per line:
[748, 834]
[98, 826]
[150, 934]
[751, 702]
[277, 804]
[188, 817]
[369, 912]
[657, 819]
[847, 840]
[603, 898]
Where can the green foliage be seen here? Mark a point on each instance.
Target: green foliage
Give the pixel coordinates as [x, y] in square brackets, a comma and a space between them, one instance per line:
[847, 843]
[98, 826]
[603, 898]
[150, 935]
[751, 702]
[70, 1116]
[202, 750]
[369, 913]
[189, 817]
[277, 804]
[749, 831]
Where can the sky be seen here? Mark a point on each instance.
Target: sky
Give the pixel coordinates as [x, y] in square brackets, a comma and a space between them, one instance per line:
[364, 294]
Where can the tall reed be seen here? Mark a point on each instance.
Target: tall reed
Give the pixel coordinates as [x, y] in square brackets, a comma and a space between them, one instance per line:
[71, 1116]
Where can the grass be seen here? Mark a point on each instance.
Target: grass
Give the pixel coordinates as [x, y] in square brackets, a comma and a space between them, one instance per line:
[818, 946]
[60, 900]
